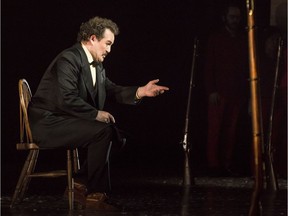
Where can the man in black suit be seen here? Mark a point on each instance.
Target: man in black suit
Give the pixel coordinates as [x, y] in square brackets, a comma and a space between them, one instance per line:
[67, 108]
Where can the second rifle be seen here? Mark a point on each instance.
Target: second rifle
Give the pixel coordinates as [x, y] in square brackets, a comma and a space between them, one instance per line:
[271, 178]
[188, 179]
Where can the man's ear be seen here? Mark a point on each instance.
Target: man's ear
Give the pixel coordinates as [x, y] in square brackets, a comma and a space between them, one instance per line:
[93, 38]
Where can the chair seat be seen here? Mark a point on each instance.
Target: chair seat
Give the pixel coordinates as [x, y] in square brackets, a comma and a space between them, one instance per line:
[31, 146]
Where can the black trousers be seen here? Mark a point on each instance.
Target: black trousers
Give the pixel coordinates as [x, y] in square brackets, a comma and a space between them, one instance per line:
[94, 172]
[95, 137]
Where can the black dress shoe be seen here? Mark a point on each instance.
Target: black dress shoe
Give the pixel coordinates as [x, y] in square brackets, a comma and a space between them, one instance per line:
[97, 201]
[101, 206]
[95, 197]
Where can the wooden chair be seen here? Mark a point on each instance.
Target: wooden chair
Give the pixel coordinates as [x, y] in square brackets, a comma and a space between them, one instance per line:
[27, 143]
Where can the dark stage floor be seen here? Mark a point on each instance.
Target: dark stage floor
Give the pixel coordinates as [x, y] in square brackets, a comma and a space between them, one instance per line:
[139, 193]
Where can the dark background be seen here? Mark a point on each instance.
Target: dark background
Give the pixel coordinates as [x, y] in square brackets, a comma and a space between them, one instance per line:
[155, 41]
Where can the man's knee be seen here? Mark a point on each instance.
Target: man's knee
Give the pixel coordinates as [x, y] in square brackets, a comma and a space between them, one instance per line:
[107, 133]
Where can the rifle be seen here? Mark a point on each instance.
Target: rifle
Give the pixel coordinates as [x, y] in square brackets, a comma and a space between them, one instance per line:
[255, 206]
[188, 179]
[271, 179]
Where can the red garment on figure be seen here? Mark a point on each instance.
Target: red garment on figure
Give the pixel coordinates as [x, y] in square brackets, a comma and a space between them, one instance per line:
[226, 72]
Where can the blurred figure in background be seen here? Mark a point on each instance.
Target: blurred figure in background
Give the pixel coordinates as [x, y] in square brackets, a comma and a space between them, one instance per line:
[226, 82]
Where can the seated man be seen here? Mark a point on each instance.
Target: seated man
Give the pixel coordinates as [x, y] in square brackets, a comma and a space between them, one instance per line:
[67, 108]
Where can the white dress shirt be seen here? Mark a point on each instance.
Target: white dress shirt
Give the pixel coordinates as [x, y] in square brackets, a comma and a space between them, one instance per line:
[92, 68]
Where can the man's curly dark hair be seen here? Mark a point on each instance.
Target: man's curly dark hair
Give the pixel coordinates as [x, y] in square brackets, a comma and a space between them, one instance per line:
[96, 26]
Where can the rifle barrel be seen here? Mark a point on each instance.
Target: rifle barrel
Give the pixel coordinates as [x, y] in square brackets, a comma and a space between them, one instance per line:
[188, 179]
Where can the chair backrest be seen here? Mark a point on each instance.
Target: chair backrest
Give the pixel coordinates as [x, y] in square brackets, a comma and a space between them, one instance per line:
[24, 98]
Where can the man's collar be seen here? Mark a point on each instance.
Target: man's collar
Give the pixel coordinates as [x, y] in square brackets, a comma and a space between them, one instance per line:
[88, 54]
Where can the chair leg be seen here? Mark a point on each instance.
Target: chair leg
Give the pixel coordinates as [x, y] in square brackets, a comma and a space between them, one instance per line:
[30, 170]
[19, 185]
[70, 181]
[23, 180]
[76, 164]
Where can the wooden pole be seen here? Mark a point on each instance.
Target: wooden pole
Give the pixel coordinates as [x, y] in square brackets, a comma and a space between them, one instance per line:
[255, 207]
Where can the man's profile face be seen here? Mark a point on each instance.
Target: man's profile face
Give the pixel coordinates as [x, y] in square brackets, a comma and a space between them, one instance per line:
[102, 47]
[232, 18]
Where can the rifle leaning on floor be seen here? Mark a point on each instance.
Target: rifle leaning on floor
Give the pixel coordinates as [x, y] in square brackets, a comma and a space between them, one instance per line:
[188, 179]
[271, 179]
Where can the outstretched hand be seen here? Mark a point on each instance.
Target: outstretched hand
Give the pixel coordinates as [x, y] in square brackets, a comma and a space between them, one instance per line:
[151, 89]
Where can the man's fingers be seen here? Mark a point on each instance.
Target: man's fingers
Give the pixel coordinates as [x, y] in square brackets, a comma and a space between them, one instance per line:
[154, 81]
[164, 88]
[105, 117]
[111, 118]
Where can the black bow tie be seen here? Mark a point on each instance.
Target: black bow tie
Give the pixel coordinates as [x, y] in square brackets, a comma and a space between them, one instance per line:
[94, 63]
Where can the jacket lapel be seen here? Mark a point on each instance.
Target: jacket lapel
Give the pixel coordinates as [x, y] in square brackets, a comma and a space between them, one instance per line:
[86, 74]
[87, 77]
[100, 80]
[101, 91]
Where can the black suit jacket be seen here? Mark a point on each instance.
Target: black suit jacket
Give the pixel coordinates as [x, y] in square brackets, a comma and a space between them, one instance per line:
[67, 86]
[66, 92]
